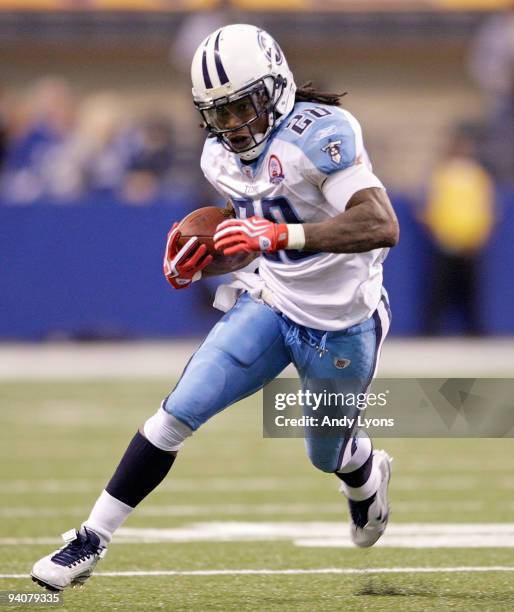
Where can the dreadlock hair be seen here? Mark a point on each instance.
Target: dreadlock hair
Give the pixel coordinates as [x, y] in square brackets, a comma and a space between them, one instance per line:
[308, 93]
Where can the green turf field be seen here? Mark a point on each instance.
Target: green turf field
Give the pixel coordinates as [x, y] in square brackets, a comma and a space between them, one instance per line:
[61, 442]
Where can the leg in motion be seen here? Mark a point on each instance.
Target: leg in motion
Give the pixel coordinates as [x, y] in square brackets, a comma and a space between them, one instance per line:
[244, 351]
[364, 473]
[146, 462]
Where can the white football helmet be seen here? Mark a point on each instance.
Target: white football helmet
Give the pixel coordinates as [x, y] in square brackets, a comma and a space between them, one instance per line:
[239, 75]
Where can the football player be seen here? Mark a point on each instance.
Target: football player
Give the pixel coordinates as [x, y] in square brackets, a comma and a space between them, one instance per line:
[294, 167]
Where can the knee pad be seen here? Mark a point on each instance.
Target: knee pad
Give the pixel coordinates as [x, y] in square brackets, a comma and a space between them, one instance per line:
[201, 392]
[355, 452]
[165, 431]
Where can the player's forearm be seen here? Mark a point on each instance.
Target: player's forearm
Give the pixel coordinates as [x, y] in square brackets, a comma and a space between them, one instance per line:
[368, 223]
[354, 231]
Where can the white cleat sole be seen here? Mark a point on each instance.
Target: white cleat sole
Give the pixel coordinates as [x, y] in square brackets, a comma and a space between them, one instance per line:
[46, 585]
[77, 583]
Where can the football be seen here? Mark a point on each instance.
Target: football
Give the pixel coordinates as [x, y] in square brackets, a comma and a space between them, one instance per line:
[203, 223]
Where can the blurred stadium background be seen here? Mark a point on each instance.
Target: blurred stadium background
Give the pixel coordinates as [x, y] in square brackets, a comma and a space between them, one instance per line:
[99, 154]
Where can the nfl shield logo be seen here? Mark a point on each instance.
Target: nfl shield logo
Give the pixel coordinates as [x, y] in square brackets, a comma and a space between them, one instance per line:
[341, 363]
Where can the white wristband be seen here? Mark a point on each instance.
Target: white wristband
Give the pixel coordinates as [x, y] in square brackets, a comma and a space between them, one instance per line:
[296, 236]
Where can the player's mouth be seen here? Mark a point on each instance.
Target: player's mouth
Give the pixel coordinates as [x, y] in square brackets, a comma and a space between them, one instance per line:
[240, 141]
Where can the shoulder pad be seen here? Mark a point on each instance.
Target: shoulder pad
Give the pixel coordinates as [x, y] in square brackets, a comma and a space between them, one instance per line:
[325, 134]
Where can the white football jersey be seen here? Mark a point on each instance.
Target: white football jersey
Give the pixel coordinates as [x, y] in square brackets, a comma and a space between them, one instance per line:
[311, 166]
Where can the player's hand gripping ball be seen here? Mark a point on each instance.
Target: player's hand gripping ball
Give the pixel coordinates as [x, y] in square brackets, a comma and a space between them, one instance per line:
[190, 250]
[183, 264]
[250, 235]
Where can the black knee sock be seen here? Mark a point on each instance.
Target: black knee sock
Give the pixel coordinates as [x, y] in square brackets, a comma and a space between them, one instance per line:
[355, 479]
[141, 469]
[358, 477]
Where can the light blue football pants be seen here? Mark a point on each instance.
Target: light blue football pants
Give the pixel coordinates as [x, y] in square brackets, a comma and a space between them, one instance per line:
[253, 343]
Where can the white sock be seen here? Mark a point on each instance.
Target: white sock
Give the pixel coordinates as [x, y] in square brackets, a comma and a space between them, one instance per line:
[107, 515]
[366, 490]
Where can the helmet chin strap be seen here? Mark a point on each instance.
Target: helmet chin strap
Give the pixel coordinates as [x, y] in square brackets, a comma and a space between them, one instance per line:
[256, 151]
[274, 120]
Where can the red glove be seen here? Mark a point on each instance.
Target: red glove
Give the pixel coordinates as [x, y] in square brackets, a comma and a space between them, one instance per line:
[247, 235]
[184, 265]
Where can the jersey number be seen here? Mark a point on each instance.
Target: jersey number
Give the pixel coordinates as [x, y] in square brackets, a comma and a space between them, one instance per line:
[279, 210]
[299, 123]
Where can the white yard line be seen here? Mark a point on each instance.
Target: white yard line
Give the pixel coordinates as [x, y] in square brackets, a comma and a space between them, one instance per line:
[402, 482]
[292, 572]
[283, 509]
[312, 534]
[79, 485]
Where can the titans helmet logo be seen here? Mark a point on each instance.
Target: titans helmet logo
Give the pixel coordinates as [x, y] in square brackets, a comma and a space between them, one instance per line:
[270, 48]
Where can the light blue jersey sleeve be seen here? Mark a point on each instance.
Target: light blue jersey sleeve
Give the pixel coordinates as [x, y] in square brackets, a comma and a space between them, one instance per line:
[329, 138]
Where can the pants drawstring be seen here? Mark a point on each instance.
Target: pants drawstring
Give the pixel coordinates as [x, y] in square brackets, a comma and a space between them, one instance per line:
[320, 349]
[293, 336]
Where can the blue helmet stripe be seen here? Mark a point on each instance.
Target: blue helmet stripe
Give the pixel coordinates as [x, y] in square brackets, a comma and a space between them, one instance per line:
[206, 77]
[222, 75]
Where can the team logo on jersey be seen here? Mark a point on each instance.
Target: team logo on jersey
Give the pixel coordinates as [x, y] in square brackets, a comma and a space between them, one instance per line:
[270, 48]
[276, 173]
[333, 148]
[341, 363]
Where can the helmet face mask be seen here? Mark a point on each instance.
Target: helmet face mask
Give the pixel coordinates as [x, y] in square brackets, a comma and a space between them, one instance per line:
[242, 87]
[227, 117]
